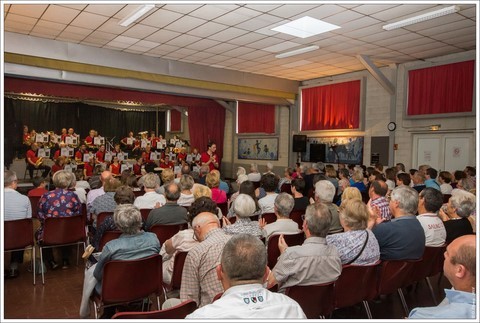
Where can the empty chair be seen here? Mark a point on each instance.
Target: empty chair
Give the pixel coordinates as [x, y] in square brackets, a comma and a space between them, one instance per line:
[269, 217]
[272, 245]
[177, 312]
[361, 280]
[19, 236]
[126, 281]
[166, 231]
[316, 301]
[62, 231]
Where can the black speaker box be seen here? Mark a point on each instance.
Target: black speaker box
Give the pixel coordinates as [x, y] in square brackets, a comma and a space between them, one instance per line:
[317, 152]
[299, 143]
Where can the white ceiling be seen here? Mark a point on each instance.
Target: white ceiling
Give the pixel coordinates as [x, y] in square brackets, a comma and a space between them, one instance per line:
[238, 36]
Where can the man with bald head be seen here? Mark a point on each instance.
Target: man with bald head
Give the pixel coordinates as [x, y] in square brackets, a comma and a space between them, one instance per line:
[199, 278]
[93, 194]
[459, 267]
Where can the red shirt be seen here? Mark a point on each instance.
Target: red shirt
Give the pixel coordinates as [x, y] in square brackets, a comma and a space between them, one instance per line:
[89, 169]
[56, 168]
[100, 156]
[206, 157]
[32, 156]
[57, 154]
[169, 165]
[79, 155]
[115, 169]
[137, 169]
[37, 192]
[89, 140]
[146, 157]
[153, 142]
[181, 157]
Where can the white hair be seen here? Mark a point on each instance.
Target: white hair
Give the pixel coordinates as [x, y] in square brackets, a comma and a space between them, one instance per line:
[325, 191]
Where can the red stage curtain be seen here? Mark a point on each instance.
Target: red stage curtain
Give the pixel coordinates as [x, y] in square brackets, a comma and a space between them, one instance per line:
[441, 89]
[175, 120]
[207, 124]
[335, 106]
[256, 117]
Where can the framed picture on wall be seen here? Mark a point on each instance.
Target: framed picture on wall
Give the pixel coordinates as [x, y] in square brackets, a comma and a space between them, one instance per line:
[334, 150]
[258, 148]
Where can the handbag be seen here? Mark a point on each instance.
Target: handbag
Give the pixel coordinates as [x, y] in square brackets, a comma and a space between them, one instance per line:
[363, 248]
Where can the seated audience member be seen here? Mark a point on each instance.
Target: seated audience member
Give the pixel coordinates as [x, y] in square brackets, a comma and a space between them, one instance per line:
[357, 179]
[132, 182]
[343, 182]
[184, 170]
[418, 180]
[445, 178]
[80, 180]
[201, 190]
[204, 170]
[459, 267]
[123, 195]
[105, 202]
[247, 187]
[167, 176]
[390, 178]
[94, 193]
[403, 179]
[325, 192]
[331, 176]
[301, 201]
[377, 192]
[254, 175]
[243, 207]
[132, 244]
[423, 169]
[402, 237]
[430, 200]
[58, 203]
[222, 184]
[186, 196]
[357, 244]
[240, 179]
[431, 178]
[213, 182]
[400, 167]
[269, 169]
[170, 212]
[183, 241]
[40, 183]
[350, 193]
[148, 200]
[455, 216]
[286, 179]
[471, 172]
[80, 191]
[457, 176]
[242, 272]
[283, 206]
[466, 184]
[94, 181]
[268, 183]
[313, 253]
[199, 280]
[16, 206]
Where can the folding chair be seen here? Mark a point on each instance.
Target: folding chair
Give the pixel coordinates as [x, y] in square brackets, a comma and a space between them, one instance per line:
[166, 231]
[178, 263]
[177, 312]
[269, 217]
[272, 245]
[317, 301]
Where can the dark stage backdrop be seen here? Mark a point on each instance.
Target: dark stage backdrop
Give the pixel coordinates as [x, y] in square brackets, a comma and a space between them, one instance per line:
[48, 116]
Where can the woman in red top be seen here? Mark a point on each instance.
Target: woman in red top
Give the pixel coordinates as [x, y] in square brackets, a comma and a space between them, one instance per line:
[89, 167]
[137, 167]
[115, 167]
[209, 157]
[59, 164]
[213, 182]
[100, 154]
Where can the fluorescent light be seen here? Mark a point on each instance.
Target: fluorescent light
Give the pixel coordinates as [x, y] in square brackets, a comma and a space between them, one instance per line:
[420, 18]
[139, 12]
[305, 27]
[297, 51]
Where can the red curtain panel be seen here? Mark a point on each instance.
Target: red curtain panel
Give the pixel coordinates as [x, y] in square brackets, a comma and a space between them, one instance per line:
[256, 117]
[175, 120]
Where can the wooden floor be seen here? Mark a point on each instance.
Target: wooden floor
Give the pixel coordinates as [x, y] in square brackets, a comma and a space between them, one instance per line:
[60, 297]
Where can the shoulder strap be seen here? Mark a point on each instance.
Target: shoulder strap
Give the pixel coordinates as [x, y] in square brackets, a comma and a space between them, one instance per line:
[363, 248]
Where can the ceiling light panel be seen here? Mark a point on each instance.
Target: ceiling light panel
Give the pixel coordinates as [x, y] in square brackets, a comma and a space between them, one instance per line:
[306, 27]
[136, 14]
[297, 51]
[281, 47]
[423, 17]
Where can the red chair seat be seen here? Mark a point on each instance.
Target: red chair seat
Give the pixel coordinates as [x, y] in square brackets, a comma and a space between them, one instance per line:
[315, 300]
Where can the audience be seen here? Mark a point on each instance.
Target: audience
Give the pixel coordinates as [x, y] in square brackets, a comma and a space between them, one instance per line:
[105, 202]
[268, 184]
[445, 178]
[456, 213]
[170, 212]
[430, 201]
[325, 192]
[350, 193]
[242, 271]
[254, 175]
[94, 193]
[286, 179]
[151, 198]
[403, 179]
[301, 201]
[377, 192]
[314, 262]
[213, 182]
[39, 183]
[247, 187]
[283, 206]
[244, 207]
[431, 178]
[186, 196]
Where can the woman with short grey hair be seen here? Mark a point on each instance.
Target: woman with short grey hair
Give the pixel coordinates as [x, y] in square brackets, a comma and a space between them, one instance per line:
[186, 195]
[244, 207]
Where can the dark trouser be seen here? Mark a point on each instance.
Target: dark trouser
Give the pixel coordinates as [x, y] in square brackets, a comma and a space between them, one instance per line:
[17, 257]
[46, 170]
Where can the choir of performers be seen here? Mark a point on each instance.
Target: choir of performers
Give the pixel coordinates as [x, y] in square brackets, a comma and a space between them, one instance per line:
[209, 157]
[35, 162]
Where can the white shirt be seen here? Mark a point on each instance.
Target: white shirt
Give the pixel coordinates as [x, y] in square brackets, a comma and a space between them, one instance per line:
[266, 203]
[83, 184]
[81, 193]
[148, 200]
[16, 206]
[434, 229]
[254, 177]
[92, 195]
[286, 226]
[446, 188]
[250, 301]
[185, 199]
[390, 184]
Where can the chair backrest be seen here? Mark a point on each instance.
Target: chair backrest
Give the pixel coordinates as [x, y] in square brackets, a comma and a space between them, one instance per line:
[178, 263]
[145, 213]
[286, 188]
[269, 217]
[177, 312]
[365, 197]
[18, 234]
[272, 245]
[217, 297]
[130, 280]
[296, 216]
[101, 217]
[430, 264]
[315, 300]
[393, 275]
[355, 284]
[34, 203]
[108, 236]
[63, 230]
[223, 207]
[166, 231]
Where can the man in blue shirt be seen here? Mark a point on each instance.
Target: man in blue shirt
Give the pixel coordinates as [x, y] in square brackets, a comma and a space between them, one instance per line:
[431, 178]
[459, 268]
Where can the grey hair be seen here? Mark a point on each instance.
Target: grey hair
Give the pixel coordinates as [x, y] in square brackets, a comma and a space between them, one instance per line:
[325, 191]
[127, 218]
[244, 258]
[463, 202]
[186, 182]
[172, 191]
[319, 218]
[254, 167]
[407, 198]
[9, 177]
[244, 206]
[151, 180]
[62, 179]
[284, 203]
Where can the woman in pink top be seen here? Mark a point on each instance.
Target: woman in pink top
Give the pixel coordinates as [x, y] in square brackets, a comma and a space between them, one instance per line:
[213, 181]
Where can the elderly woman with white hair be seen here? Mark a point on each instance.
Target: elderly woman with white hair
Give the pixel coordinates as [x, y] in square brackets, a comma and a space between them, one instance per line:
[244, 207]
[456, 213]
[254, 175]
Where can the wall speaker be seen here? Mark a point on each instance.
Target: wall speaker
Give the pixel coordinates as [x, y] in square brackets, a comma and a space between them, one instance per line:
[299, 143]
[317, 152]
